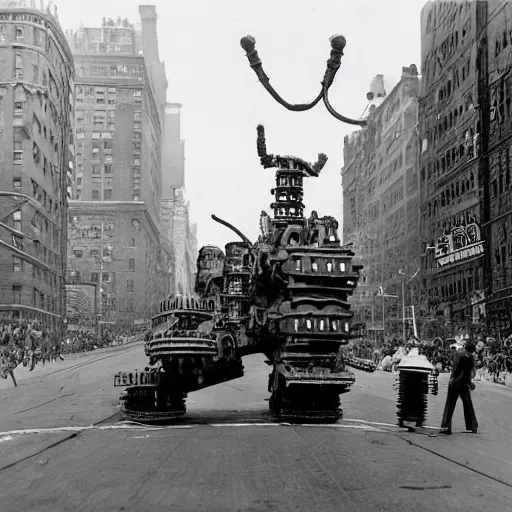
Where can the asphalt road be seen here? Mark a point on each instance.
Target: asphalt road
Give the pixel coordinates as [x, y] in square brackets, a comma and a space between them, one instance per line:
[62, 448]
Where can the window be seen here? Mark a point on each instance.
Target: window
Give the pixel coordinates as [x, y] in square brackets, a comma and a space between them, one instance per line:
[129, 285]
[16, 218]
[107, 169]
[16, 294]
[35, 73]
[16, 264]
[108, 183]
[96, 189]
[17, 241]
[94, 253]
[16, 183]
[107, 144]
[78, 254]
[96, 169]
[95, 277]
[131, 264]
[20, 34]
[105, 277]
[99, 118]
[132, 242]
[18, 109]
[18, 71]
[136, 197]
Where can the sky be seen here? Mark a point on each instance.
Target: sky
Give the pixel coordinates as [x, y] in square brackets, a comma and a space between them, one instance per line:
[223, 101]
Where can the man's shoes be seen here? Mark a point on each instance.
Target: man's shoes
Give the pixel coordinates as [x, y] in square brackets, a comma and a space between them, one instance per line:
[446, 431]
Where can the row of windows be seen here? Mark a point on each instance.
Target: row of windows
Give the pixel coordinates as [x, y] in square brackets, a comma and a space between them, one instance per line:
[19, 266]
[466, 150]
[39, 299]
[321, 265]
[41, 251]
[107, 253]
[314, 325]
[458, 288]
[106, 277]
[453, 194]
[109, 71]
[450, 120]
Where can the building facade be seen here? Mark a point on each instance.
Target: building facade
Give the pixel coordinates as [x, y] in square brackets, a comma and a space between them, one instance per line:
[495, 46]
[36, 158]
[381, 205]
[120, 114]
[466, 157]
[115, 248]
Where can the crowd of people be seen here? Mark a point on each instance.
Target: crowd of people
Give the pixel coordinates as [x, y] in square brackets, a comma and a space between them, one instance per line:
[29, 343]
[494, 356]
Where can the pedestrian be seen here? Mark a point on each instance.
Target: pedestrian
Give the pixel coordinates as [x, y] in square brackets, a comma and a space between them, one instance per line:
[460, 385]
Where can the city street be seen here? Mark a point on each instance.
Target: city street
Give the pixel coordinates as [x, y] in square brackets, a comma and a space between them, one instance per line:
[62, 448]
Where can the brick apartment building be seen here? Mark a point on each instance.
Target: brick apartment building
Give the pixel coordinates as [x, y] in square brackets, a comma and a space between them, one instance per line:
[36, 134]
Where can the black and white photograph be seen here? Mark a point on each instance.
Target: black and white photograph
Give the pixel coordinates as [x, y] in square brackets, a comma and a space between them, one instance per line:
[255, 256]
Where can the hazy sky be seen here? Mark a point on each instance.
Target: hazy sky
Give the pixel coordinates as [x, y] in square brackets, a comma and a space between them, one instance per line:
[223, 101]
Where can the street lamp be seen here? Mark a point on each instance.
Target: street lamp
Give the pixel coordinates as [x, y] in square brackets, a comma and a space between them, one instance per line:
[338, 42]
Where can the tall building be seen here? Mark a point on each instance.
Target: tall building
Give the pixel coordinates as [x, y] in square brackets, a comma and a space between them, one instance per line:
[115, 220]
[465, 175]
[36, 134]
[381, 205]
[496, 46]
[175, 209]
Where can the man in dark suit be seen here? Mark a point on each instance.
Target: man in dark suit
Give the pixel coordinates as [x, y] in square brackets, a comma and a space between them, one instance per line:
[460, 384]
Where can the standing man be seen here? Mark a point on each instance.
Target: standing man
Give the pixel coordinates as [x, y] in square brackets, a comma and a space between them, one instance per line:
[460, 385]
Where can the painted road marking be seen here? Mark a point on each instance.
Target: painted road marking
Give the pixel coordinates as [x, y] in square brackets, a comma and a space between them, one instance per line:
[376, 423]
[9, 435]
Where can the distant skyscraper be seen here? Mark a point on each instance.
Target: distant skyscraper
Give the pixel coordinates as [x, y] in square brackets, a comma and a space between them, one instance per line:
[36, 135]
[173, 153]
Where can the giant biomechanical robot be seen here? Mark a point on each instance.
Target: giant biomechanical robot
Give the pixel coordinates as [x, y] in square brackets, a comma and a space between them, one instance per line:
[285, 296]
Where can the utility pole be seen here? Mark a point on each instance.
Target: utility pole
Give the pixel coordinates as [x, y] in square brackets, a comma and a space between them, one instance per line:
[404, 326]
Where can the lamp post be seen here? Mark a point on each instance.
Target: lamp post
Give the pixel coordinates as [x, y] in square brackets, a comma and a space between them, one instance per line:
[338, 42]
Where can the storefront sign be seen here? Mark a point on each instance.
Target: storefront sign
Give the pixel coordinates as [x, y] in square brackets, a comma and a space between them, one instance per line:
[460, 243]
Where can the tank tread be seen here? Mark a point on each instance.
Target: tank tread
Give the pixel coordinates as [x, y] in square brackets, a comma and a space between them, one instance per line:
[312, 416]
[150, 416]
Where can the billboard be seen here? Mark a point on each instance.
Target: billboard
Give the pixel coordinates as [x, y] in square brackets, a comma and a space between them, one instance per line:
[459, 243]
